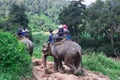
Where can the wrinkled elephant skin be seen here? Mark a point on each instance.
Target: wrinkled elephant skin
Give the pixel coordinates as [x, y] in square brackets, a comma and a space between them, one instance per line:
[68, 51]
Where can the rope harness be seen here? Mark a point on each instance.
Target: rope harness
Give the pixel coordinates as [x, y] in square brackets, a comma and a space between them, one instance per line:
[58, 43]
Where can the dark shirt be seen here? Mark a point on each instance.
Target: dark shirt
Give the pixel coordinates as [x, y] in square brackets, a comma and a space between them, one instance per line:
[51, 38]
[19, 32]
[60, 32]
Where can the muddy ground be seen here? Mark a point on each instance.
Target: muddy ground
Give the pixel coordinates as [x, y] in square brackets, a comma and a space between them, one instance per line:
[39, 73]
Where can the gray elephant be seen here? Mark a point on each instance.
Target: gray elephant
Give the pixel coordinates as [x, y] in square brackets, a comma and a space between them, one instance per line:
[28, 43]
[67, 51]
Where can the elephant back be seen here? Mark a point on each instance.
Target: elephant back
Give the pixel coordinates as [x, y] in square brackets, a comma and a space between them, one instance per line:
[29, 45]
[59, 41]
[72, 44]
[67, 45]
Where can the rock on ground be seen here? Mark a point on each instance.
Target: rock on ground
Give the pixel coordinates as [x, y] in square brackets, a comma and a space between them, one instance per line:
[39, 73]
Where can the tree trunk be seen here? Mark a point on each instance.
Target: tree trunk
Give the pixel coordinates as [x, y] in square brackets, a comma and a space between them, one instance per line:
[110, 36]
[112, 43]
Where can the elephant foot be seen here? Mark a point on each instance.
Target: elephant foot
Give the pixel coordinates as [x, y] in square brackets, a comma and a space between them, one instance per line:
[76, 72]
[55, 70]
[61, 71]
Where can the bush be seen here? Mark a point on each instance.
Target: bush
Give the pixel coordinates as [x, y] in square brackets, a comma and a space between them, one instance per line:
[101, 63]
[14, 59]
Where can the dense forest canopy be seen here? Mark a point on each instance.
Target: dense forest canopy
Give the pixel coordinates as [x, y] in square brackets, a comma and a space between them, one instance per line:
[95, 27]
[104, 20]
[43, 14]
[74, 17]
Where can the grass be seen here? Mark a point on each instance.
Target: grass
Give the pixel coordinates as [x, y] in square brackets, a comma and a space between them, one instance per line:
[100, 63]
[94, 61]
[39, 38]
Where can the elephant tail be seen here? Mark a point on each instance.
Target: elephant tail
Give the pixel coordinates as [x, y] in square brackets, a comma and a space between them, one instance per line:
[81, 64]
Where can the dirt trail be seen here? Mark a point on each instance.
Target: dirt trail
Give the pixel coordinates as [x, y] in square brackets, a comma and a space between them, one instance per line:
[39, 74]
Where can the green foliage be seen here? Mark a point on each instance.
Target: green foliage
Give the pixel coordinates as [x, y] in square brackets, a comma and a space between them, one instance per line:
[39, 38]
[87, 41]
[103, 25]
[17, 17]
[74, 17]
[41, 23]
[36, 10]
[4, 76]
[2, 22]
[14, 58]
[101, 63]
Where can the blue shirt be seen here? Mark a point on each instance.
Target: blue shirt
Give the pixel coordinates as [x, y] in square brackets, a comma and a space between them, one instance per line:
[51, 38]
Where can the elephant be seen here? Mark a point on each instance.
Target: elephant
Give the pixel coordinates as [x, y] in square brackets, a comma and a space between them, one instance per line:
[67, 51]
[28, 43]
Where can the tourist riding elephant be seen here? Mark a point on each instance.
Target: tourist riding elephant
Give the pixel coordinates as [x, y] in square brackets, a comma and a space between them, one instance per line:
[67, 51]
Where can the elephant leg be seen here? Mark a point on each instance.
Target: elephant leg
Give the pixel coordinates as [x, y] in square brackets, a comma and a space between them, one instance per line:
[61, 68]
[77, 62]
[73, 68]
[56, 64]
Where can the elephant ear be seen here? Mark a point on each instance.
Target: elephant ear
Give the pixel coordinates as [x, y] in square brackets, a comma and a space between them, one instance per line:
[45, 46]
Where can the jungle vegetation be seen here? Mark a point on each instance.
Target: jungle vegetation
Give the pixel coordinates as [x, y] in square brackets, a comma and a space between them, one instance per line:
[95, 27]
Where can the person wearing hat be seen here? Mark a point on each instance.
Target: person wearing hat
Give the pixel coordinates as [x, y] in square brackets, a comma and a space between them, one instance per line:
[66, 32]
[19, 33]
[50, 36]
[60, 31]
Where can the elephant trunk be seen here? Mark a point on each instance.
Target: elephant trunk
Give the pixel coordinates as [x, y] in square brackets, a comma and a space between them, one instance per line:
[44, 60]
[44, 63]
